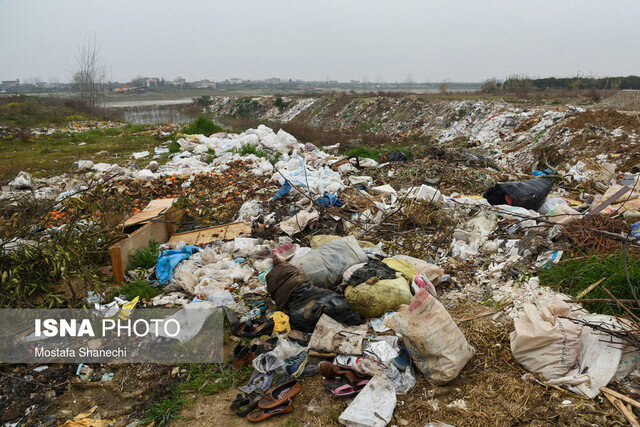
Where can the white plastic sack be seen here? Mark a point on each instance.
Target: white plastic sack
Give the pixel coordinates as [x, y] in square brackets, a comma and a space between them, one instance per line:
[438, 347]
[545, 343]
[601, 359]
[299, 222]
[373, 406]
[325, 265]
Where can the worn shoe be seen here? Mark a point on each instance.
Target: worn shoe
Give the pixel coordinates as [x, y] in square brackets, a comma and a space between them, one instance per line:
[280, 394]
[242, 356]
[329, 370]
[249, 330]
[250, 402]
[262, 414]
[294, 366]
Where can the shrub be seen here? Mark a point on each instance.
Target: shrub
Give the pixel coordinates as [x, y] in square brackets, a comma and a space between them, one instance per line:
[280, 103]
[202, 125]
[492, 85]
[249, 149]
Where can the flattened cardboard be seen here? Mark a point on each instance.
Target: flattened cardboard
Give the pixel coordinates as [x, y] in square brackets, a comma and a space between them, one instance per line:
[207, 235]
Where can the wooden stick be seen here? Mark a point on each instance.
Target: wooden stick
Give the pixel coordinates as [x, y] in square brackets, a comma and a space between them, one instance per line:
[590, 288]
[620, 396]
[501, 307]
[622, 409]
[597, 300]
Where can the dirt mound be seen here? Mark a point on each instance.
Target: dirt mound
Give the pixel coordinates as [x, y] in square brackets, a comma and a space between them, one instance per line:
[608, 119]
[623, 100]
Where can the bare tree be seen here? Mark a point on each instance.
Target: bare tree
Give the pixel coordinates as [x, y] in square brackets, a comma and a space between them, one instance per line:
[90, 76]
[444, 87]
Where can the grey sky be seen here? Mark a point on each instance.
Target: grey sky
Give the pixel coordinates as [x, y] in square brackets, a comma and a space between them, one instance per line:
[312, 40]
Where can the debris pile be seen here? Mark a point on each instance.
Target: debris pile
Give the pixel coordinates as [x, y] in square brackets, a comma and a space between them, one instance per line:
[332, 266]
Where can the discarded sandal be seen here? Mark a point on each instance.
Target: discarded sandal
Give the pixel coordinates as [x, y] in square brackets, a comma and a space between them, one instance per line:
[249, 403]
[360, 385]
[280, 395]
[262, 414]
[239, 401]
[340, 387]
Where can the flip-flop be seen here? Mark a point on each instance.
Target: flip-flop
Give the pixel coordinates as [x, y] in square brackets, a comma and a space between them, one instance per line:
[360, 385]
[262, 414]
[339, 387]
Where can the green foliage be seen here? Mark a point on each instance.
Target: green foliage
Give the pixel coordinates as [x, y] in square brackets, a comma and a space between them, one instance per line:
[249, 149]
[138, 288]
[280, 103]
[205, 379]
[145, 257]
[202, 125]
[247, 108]
[174, 147]
[363, 152]
[30, 275]
[166, 410]
[573, 276]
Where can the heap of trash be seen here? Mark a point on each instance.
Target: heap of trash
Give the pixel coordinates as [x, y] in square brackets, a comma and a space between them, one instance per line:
[327, 269]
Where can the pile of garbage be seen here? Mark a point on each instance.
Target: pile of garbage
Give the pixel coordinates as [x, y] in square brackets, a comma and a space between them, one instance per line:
[340, 274]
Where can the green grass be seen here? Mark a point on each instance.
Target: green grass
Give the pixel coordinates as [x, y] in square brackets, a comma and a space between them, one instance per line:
[573, 276]
[363, 152]
[203, 379]
[291, 422]
[202, 125]
[375, 154]
[145, 257]
[29, 111]
[249, 149]
[54, 154]
[138, 288]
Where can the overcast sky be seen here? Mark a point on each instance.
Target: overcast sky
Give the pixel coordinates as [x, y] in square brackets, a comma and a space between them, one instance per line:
[389, 40]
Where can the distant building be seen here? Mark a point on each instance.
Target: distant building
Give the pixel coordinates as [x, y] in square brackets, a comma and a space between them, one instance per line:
[179, 81]
[272, 81]
[10, 83]
[204, 84]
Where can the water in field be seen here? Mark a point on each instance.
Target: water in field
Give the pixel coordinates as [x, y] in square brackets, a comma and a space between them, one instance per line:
[155, 116]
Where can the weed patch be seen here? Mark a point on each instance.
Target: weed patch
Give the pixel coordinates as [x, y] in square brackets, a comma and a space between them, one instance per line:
[203, 126]
[145, 257]
[138, 288]
[573, 276]
[362, 152]
[205, 379]
[249, 149]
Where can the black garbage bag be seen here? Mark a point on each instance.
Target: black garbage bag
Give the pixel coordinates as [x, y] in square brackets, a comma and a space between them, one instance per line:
[397, 156]
[308, 303]
[371, 269]
[529, 194]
